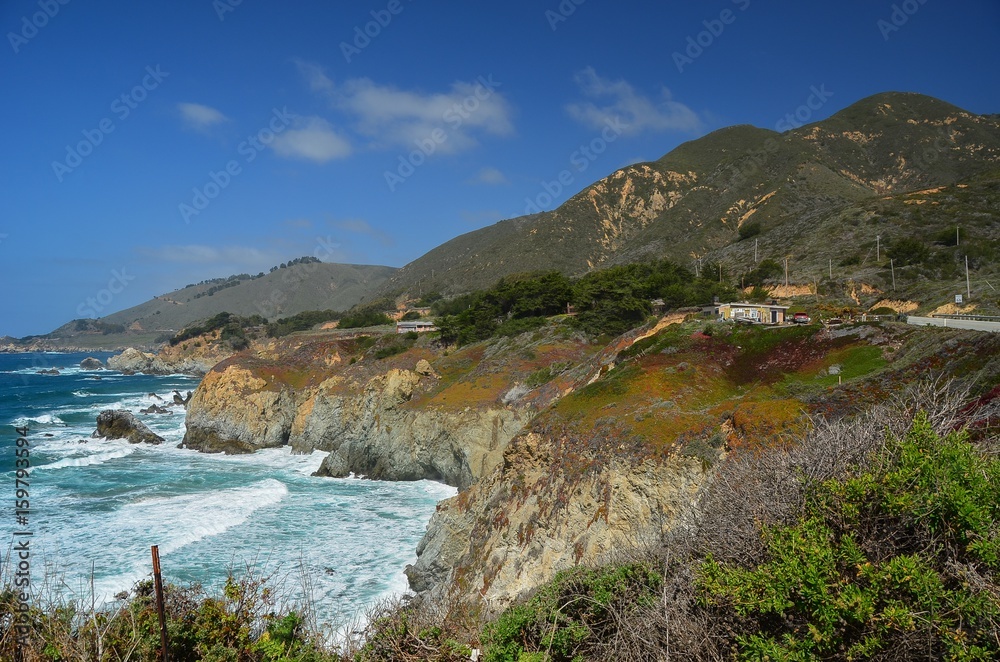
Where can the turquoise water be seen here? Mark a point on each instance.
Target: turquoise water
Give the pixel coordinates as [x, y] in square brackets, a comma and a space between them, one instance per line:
[98, 505]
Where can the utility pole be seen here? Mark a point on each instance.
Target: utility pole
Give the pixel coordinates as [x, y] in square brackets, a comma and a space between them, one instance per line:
[893, 268]
[956, 235]
[968, 288]
[786, 272]
[755, 251]
[831, 268]
[720, 273]
[878, 248]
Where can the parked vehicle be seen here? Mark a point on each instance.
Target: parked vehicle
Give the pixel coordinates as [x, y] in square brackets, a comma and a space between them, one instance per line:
[801, 318]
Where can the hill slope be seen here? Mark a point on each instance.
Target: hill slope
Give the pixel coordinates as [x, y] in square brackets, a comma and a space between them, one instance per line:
[281, 293]
[316, 286]
[692, 202]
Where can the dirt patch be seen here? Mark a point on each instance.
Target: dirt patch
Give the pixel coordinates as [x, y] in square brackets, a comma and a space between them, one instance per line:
[953, 309]
[897, 305]
[788, 291]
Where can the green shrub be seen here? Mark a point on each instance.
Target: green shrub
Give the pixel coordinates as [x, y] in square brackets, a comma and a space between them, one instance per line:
[907, 250]
[881, 562]
[570, 613]
[748, 230]
[363, 318]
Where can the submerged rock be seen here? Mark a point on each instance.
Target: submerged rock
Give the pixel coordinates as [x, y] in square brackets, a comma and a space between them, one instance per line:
[121, 424]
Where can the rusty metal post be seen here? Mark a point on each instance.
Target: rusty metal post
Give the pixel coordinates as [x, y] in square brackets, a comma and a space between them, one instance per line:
[158, 584]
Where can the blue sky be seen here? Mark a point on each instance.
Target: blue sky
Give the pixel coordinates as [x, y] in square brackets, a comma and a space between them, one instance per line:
[150, 145]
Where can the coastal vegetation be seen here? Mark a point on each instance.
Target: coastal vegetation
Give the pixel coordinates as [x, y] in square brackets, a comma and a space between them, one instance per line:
[606, 302]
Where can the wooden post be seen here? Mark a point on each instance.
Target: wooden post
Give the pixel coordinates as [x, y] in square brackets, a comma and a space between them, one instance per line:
[892, 267]
[158, 585]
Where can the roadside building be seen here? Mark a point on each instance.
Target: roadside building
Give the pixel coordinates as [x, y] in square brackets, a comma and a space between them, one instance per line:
[419, 326]
[758, 313]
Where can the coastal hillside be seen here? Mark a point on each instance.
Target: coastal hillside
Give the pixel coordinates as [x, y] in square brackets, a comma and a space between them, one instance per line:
[301, 285]
[819, 195]
[565, 449]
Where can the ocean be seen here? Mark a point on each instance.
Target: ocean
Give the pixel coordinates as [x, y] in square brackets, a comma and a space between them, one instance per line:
[96, 506]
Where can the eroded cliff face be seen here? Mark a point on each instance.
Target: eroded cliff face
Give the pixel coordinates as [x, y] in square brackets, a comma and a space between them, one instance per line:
[546, 509]
[394, 419]
[234, 411]
[368, 430]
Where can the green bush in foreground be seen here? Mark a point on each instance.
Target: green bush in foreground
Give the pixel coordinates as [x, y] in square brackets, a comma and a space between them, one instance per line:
[241, 625]
[569, 613]
[899, 559]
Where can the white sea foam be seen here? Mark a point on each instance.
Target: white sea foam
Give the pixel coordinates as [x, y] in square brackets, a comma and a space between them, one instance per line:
[89, 460]
[187, 518]
[41, 419]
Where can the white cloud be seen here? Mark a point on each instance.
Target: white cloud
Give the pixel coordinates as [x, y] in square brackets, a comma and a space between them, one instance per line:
[389, 116]
[313, 139]
[491, 176]
[197, 116]
[618, 100]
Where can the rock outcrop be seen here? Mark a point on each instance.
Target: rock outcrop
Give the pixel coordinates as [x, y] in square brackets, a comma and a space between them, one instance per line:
[90, 363]
[132, 361]
[365, 427]
[233, 411]
[371, 433]
[169, 361]
[121, 424]
[545, 509]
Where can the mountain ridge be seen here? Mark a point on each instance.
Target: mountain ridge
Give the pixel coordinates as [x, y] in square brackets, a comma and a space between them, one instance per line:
[691, 203]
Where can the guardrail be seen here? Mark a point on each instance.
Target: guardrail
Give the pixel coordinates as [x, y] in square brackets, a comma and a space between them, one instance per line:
[975, 318]
[949, 323]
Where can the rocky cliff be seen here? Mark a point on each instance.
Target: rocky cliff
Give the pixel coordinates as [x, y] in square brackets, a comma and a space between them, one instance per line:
[420, 414]
[546, 509]
[538, 493]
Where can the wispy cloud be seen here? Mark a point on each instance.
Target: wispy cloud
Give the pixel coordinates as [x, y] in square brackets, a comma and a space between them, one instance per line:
[359, 226]
[198, 116]
[618, 100]
[391, 117]
[490, 176]
[313, 139]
